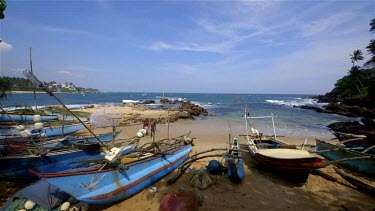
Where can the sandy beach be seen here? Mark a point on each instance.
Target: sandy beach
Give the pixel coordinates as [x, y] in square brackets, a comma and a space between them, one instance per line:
[260, 190]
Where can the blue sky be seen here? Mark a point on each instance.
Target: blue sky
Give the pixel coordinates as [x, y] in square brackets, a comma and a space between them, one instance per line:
[187, 46]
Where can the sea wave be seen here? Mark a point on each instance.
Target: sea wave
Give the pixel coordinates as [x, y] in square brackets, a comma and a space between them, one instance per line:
[130, 101]
[204, 104]
[298, 102]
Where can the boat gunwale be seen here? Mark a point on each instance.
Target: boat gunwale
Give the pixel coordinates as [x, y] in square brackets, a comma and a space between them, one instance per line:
[133, 163]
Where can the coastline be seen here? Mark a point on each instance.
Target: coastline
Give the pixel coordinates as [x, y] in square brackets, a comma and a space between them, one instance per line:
[31, 92]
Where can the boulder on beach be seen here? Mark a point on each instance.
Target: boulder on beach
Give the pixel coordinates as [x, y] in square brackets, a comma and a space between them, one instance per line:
[184, 114]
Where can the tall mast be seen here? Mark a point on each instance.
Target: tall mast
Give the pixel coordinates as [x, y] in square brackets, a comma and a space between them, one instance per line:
[31, 69]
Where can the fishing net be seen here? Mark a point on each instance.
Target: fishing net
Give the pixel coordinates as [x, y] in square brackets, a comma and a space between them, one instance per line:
[201, 179]
[108, 116]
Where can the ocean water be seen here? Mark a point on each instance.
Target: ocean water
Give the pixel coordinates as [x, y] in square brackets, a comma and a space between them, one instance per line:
[289, 120]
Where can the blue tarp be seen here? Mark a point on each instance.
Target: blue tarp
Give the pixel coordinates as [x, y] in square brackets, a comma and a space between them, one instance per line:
[40, 192]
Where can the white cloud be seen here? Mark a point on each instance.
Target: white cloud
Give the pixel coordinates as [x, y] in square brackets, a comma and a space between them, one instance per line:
[216, 47]
[65, 72]
[64, 30]
[324, 24]
[226, 27]
[5, 46]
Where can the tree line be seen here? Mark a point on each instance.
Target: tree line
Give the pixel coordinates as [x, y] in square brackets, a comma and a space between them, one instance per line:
[359, 81]
[9, 84]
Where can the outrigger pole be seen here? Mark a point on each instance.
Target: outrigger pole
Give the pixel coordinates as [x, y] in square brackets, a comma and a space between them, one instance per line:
[31, 69]
[37, 83]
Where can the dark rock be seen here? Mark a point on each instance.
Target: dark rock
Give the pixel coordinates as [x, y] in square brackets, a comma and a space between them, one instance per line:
[88, 106]
[148, 102]
[340, 109]
[194, 110]
[351, 111]
[352, 127]
[174, 117]
[368, 122]
[315, 109]
[164, 100]
[172, 102]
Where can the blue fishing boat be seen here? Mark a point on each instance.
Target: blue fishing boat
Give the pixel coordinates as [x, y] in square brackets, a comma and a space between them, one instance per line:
[59, 130]
[13, 144]
[357, 141]
[25, 118]
[16, 166]
[110, 183]
[235, 163]
[67, 141]
[365, 164]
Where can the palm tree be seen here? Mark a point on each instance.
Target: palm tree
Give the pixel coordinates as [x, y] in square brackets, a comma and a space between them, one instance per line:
[371, 47]
[355, 73]
[356, 56]
[5, 88]
[3, 6]
[372, 25]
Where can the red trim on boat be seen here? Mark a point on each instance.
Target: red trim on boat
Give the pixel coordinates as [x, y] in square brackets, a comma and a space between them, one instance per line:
[91, 171]
[139, 181]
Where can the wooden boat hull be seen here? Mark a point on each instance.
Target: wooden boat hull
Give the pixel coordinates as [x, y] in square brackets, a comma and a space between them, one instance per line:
[293, 163]
[16, 166]
[114, 184]
[363, 166]
[26, 118]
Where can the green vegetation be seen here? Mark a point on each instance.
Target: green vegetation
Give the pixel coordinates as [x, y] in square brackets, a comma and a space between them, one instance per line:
[3, 6]
[360, 81]
[5, 88]
[22, 84]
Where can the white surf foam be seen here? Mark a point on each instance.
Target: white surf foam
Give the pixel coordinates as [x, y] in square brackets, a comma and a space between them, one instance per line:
[130, 101]
[298, 102]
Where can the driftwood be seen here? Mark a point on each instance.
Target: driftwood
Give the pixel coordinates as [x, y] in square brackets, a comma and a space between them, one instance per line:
[324, 175]
[357, 183]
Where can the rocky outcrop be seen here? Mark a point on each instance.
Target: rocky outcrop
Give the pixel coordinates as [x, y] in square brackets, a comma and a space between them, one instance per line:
[350, 111]
[88, 106]
[147, 102]
[192, 109]
[165, 100]
[352, 127]
[314, 108]
[343, 109]
[184, 114]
